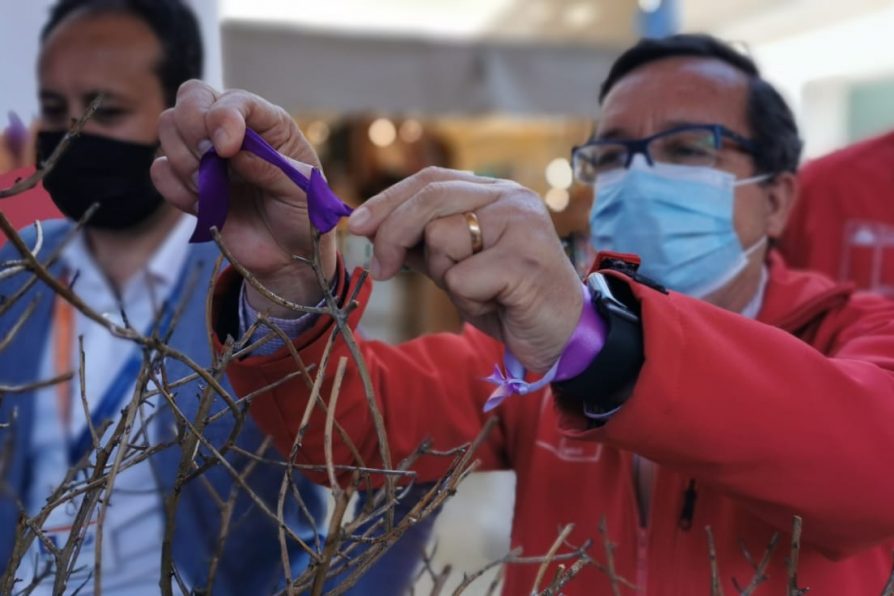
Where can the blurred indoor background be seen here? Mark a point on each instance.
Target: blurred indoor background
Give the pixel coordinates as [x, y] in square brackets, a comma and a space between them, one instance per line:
[500, 87]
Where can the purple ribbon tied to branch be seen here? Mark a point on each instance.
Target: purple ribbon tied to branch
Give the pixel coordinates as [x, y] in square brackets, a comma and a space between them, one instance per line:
[323, 208]
[584, 344]
[512, 381]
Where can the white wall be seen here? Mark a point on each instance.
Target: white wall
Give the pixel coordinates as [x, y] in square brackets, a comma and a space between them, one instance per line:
[814, 68]
[20, 24]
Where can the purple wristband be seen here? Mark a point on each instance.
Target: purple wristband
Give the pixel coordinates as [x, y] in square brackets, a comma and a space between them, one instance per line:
[586, 342]
[583, 346]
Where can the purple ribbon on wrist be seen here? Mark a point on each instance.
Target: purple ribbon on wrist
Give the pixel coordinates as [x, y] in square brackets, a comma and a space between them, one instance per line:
[323, 208]
[583, 345]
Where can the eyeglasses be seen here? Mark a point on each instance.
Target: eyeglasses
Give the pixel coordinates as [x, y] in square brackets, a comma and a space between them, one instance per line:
[691, 145]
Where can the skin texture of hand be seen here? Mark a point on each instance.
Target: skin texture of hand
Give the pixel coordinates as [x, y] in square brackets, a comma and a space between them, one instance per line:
[520, 289]
[267, 222]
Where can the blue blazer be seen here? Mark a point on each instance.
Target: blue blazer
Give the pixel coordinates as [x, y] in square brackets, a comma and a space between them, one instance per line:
[250, 561]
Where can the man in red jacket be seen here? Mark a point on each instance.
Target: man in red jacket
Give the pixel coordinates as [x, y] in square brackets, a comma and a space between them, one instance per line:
[843, 221]
[711, 387]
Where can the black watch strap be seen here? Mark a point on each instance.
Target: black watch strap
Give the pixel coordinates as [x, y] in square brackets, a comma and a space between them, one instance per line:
[608, 381]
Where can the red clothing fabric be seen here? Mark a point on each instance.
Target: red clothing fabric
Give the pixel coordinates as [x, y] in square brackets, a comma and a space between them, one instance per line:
[26, 208]
[843, 221]
[789, 415]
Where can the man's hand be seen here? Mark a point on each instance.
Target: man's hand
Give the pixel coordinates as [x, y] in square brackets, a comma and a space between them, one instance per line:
[268, 222]
[521, 288]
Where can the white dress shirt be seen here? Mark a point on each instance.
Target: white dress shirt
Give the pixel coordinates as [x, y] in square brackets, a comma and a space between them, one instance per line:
[133, 528]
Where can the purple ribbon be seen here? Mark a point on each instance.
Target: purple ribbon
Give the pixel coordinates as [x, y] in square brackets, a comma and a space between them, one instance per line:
[16, 135]
[514, 382]
[583, 345]
[323, 208]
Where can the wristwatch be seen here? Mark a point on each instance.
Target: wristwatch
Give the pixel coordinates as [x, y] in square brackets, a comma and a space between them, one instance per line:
[607, 382]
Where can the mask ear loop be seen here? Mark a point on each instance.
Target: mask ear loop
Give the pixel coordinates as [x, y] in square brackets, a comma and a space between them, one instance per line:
[756, 179]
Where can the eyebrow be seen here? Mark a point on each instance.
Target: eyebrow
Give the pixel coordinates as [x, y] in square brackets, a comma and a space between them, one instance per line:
[618, 133]
[47, 95]
[50, 96]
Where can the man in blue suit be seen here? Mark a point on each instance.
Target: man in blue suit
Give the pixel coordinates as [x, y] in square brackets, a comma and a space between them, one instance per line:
[131, 264]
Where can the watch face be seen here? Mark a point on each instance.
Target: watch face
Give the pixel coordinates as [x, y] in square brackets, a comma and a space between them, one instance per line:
[598, 286]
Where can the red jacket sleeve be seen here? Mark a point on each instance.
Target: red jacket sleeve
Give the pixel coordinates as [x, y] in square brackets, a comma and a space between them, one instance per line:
[428, 388]
[781, 425]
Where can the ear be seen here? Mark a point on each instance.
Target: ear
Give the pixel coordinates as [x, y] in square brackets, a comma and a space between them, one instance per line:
[781, 193]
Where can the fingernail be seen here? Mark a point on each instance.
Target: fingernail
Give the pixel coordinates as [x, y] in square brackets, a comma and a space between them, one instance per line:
[375, 269]
[195, 179]
[221, 137]
[360, 216]
[204, 146]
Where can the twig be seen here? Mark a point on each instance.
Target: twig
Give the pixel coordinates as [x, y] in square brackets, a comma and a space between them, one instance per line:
[760, 570]
[129, 417]
[609, 557]
[550, 555]
[889, 586]
[440, 580]
[563, 578]
[342, 498]
[32, 180]
[716, 587]
[11, 389]
[330, 419]
[794, 552]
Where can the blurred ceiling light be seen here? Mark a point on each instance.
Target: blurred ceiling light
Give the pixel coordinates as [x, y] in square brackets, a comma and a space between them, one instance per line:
[649, 5]
[382, 132]
[557, 199]
[581, 15]
[451, 18]
[410, 131]
[559, 174]
[317, 132]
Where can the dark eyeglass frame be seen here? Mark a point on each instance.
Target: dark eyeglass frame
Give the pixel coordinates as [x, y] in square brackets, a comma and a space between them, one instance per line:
[641, 146]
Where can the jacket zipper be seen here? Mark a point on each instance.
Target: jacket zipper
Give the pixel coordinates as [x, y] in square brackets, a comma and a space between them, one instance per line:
[642, 528]
[687, 511]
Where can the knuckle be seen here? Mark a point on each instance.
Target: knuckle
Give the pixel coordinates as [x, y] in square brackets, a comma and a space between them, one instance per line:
[432, 173]
[431, 194]
[166, 122]
[186, 88]
[451, 281]
[436, 235]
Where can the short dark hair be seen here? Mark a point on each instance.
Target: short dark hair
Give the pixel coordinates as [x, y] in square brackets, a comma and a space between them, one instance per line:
[773, 128]
[172, 22]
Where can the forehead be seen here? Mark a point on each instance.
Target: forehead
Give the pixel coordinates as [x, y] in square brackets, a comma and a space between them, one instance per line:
[98, 51]
[662, 94]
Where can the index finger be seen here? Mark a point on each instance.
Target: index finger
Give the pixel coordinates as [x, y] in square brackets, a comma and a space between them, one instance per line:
[194, 99]
[236, 110]
[365, 220]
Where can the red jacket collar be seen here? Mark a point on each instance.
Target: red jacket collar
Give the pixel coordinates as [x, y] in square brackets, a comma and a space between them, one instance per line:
[793, 297]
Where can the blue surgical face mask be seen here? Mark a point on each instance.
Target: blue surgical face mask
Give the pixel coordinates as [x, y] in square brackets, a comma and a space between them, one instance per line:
[678, 219]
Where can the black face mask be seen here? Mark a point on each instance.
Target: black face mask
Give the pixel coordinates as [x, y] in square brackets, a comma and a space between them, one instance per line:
[97, 169]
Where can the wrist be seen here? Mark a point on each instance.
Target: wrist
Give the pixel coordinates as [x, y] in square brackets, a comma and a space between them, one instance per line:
[586, 340]
[297, 284]
[607, 380]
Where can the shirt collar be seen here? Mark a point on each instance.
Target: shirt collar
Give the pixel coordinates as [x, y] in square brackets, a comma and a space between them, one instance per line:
[167, 262]
[163, 267]
[752, 309]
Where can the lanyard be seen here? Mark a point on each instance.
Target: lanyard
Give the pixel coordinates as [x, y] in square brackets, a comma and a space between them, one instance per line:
[117, 389]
